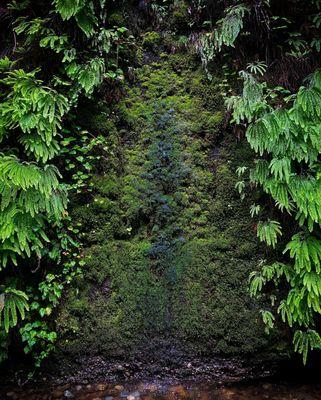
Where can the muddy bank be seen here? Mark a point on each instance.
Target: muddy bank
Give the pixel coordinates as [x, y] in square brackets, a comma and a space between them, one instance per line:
[218, 370]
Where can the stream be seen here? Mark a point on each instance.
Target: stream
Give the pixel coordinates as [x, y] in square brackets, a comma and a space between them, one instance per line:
[163, 390]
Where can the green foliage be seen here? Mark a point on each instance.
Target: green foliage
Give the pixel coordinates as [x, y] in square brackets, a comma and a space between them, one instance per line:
[151, 40]
[268, 320]
[12, 303]
[257, 68]
[31, 106]
[304, 341]
[255, 209]
[240, 185]
[35, 107]
[225, 33]
[282, 127]
[38, 340]
[89, 75]
[27, 192]
[284, 137]
[82, 11]
[268, 232]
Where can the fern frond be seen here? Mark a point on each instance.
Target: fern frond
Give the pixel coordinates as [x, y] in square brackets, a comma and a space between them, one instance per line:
[303, 341]
[13, 300]
[268, 232]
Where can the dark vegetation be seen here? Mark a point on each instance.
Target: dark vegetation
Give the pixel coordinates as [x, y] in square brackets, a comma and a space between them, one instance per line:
[145, 145]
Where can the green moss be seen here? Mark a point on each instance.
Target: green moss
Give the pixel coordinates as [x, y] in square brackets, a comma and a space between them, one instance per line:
[126, 301]
[169, 243]
[179, 16]
[151, 40]
[210, 306]
[116, 19]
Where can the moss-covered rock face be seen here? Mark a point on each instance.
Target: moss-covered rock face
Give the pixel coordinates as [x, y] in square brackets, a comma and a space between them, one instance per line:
[169, 244]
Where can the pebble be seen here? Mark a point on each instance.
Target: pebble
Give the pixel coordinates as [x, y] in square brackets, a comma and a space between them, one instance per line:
[100, 387]
[133, 396]
[13, 395]
[179, 391]
[108, 398]
[68, 394]
[120, 388]
[56, 394]
[150, 387]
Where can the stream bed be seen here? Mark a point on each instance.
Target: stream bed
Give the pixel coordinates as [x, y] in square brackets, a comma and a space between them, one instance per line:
[169, 391]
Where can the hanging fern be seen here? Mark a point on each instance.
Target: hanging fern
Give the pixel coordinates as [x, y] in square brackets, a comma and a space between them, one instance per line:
[14, 303]
[269, 232]
[304, 341]
[34, 108]
[225, 33]
[285, 136]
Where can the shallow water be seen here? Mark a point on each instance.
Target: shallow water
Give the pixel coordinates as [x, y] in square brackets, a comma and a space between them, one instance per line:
[163, 391]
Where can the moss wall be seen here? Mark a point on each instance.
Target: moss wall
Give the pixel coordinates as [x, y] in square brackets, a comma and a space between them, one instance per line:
[169, 243]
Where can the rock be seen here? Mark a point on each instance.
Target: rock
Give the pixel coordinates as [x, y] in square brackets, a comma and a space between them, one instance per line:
[124, 394]
[119, 388]
[108, 398]
[12, 395]
[227, 393]
[57, 394]
[266, 386]
[151, 387]
[100, 387]
[178, 391]
[133, 395]
[68, 394]
[78, 388]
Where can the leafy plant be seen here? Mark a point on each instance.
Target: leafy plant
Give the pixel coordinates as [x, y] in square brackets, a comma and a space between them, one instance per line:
[13, 302]
[268, 232]
[36, 105]
[286, 136]
[268, 320]
[304, 341]
[257, 68]
[225, 33]
[255, 209]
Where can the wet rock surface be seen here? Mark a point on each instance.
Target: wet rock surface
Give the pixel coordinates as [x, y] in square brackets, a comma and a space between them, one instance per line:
[163, 390]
